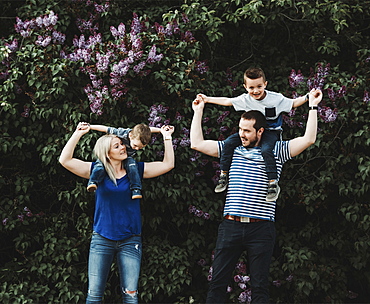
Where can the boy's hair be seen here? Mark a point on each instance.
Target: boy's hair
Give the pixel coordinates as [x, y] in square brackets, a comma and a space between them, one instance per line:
[260, 119]
[143, 133]
[101, 150]
[254, 73]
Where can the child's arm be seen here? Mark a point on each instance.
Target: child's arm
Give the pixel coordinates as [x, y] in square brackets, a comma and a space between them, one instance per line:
[222, 101]
[99, 128]
[155, 130]
[300, 101]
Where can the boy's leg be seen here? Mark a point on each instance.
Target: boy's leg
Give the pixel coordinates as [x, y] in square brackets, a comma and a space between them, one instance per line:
[96, 176]
[134, 177]
[230, 144]
[269, 139]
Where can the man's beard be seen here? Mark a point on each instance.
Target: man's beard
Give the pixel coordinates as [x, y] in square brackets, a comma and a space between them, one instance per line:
[251, 144]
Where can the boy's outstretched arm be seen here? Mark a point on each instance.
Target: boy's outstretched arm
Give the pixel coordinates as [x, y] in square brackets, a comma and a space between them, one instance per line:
[300, 101]
[155, 130]
[99, 128]
[222, 101]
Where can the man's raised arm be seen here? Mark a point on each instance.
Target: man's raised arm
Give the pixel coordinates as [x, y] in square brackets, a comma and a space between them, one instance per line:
[209, 147]
[299, 144]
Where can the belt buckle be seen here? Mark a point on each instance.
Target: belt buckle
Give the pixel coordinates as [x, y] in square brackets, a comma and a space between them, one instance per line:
[244, 219]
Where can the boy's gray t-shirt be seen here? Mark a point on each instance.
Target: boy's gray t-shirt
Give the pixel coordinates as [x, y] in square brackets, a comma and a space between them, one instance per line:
[272, 106]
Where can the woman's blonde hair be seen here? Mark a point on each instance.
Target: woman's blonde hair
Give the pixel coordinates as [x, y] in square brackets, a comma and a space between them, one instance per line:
[101, 151]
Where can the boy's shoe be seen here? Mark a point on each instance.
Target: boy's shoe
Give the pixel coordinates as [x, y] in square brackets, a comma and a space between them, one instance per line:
[273, 191]
[136, 194]
[222, 183]
[92, 188]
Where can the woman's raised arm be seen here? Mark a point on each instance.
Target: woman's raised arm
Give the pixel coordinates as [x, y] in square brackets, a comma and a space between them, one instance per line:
[154, 169]
[76, 166]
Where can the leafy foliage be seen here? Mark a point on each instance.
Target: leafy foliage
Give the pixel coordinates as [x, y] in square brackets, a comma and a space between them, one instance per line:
[121, 63]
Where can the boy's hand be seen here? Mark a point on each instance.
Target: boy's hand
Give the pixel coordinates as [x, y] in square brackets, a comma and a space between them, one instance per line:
[201, 97]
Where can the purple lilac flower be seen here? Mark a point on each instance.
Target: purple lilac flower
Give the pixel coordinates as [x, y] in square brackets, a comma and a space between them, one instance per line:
[243, 297]
[199, 173]
[205, 119]
[43, 41]
[5, 221]
[136, 26]
[317, 80]
[195, 156]
[137, 68]
[206, 216]
[241, 266]
[101, 8]
[229, 289]
[152, 57]
[185, 18]
[120, 32]
[192, 209]
[187, 37]
[20, 217]
[221, 118]
[13, 46]
[238, 278]
[366, 97]
[276, 283]
[342, 91]
[327, 114]
[201, 67]
[242, 286]
[103, 61]
[289, 278]
[58, 37]
[295, 78]
[202, 262]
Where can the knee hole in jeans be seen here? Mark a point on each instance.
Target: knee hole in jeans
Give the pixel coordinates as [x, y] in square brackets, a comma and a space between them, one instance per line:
[133, 294]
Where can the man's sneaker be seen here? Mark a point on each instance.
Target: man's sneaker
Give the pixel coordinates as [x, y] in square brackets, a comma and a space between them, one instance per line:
[222, 183]
[92, 188]
[136, 194]
[273, 191]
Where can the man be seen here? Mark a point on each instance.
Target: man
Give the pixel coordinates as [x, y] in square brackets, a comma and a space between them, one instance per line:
[248, 222]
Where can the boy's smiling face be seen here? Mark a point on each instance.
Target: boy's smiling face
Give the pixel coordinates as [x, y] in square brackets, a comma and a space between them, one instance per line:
[256, 87]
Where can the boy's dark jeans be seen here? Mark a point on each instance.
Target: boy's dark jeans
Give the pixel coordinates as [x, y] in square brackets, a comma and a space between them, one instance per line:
[98, 173]
[269, 139]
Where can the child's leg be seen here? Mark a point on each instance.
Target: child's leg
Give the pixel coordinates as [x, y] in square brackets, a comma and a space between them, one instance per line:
[134, 177]
[96, 176]
[269, 139]
[230, 144]
[227, 153]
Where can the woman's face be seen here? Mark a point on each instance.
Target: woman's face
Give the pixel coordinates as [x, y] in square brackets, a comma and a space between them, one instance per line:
[117, 150]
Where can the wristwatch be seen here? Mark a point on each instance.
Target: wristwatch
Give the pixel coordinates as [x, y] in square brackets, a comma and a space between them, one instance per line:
[168, 137]
[313, 107]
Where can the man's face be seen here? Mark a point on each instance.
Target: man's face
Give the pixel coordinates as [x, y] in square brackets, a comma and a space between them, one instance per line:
[249, 136]
[256, 88]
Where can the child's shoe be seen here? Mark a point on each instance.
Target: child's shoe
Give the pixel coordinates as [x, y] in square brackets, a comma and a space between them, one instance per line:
[92, 188]
[273, 191]
[222, 182]
[136, 193]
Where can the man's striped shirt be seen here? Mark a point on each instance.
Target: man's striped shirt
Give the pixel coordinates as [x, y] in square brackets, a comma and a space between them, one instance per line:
[246, 194]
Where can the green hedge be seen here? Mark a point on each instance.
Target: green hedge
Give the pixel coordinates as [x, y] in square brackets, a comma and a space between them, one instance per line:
[56, 70]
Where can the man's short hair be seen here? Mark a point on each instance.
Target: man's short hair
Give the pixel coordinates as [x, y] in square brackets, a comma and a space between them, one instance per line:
[142, 132]
[260, 119]
[254, 73]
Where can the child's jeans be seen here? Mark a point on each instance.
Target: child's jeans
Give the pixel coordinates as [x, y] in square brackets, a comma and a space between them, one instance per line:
[269, 139]
[98, 173]
[133, 173]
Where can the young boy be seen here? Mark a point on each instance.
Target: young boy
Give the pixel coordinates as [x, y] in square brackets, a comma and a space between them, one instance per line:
[271, 104]
[134, 139]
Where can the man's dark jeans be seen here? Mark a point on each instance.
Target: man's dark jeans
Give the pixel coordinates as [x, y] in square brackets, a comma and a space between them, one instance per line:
[258, 240]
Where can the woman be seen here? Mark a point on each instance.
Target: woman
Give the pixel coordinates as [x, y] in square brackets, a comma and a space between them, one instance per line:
[117, 218]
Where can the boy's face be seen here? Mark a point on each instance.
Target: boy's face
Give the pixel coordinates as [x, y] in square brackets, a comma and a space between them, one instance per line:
[256, 88]
[135, 143]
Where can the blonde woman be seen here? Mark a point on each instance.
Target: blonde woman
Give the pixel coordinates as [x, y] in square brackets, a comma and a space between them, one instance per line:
[117, 217]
